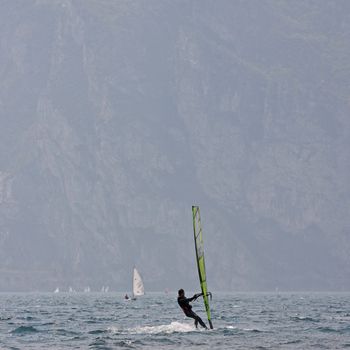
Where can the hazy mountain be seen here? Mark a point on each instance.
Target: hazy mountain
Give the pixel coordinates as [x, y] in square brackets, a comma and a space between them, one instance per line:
[117, 116]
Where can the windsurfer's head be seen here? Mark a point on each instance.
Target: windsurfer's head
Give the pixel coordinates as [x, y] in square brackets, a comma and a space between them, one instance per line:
[181, 292]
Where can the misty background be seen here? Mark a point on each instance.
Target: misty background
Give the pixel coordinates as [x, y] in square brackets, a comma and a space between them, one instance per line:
[118, 116]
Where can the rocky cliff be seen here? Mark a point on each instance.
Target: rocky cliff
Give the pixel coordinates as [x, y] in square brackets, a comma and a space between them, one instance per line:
[117, 116]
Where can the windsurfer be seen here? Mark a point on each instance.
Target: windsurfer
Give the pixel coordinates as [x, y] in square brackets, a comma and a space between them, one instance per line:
[187, 308]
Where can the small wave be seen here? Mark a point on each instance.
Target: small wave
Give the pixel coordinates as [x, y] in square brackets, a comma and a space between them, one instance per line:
[253, 330]
[98, 331]
[228, 330]
[5, 318]
[326, 329]
[65, 332]
[125, 344]
[233, 329]
[24, 330]
[304, 318]
[104, 343]
[98, 342]
[342, 330]
[291, 342]
[30, 318]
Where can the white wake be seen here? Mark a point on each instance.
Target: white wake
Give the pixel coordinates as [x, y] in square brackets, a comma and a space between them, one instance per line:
[173, 327]
[166, 328]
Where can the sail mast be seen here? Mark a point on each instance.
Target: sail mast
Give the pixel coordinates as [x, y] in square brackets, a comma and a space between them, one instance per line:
[198, 241]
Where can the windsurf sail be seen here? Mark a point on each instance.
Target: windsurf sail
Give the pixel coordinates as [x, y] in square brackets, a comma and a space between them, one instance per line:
[198, 241]
[137, 284]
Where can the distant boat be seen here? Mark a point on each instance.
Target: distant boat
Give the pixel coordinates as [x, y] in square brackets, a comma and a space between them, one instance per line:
[87, 290]
[57, 290]
[137, 285]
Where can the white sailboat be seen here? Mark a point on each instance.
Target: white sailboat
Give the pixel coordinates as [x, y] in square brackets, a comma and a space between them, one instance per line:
[137, 285]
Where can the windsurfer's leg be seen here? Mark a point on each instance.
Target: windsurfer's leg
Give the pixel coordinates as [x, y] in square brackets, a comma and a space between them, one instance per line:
[201, 322]
[197, 320]
[194, 316]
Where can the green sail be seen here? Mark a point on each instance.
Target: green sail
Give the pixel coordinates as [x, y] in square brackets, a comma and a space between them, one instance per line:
[198, 241]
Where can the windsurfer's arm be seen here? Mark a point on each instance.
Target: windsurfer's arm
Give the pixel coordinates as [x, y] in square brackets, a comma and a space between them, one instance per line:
[194, 297]
[190, 299]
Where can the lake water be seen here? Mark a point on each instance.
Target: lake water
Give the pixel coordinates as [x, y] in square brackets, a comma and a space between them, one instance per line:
[154, 321]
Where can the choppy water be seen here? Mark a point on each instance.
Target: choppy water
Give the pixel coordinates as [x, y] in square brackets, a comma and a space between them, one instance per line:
[241, 321]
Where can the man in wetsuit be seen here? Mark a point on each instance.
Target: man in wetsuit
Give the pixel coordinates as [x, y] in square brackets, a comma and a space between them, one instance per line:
[187, 308]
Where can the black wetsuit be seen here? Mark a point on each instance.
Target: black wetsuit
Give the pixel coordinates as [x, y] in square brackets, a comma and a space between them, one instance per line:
[187, 309]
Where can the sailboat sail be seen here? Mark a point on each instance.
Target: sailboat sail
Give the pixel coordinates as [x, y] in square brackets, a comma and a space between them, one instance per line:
[198, 240]
[137, 284]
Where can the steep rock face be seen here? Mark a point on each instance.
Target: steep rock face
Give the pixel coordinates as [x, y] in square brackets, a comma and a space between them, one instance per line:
[118, 116]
